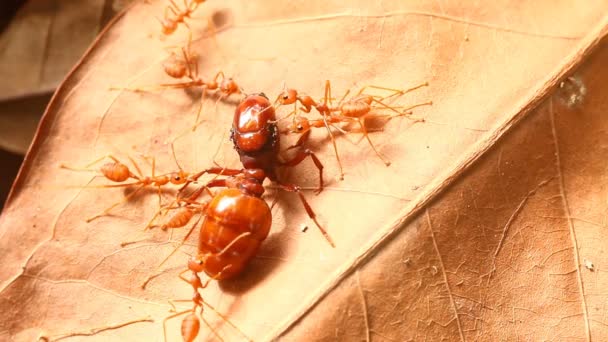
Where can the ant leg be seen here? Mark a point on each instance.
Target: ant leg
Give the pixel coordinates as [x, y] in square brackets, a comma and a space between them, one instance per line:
[300, 156]
[333, 141]
[394, 91]
[327, 92]
[188, 60]
[179, 85]
[228, 246]
[331, 135]
[125, 199]
[309, 211]
[361, 122]
[177, 314]
[175, 9]
[145, 283]
[200, 109]
[301, 140]
[405, 112]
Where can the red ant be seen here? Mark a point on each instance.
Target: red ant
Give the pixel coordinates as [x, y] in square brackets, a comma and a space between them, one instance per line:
[169, 23]
[357, 109]
[187, 67]
[117, 171]
[178, 68]
[237, 220]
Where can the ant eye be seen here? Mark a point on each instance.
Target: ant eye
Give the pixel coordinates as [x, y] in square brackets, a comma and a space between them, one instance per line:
[177, 178]
[299, 127]
[285, 97]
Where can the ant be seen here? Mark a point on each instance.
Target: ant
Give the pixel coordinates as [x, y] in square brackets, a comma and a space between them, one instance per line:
[256, 138]
[357, 109]
[118, 172]
[169, 23]
[237, 220]
[186, 67]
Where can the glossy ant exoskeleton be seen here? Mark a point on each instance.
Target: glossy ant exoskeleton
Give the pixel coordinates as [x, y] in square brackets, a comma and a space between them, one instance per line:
[237, 220]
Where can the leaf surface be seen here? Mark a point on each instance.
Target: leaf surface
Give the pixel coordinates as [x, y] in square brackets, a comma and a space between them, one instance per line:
[434, 246]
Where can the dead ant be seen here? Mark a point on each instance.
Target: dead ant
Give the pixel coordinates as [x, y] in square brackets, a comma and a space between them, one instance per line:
[357, 109]
[118, 172]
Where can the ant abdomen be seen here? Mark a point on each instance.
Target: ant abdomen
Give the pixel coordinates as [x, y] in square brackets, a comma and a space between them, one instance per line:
[355, 108]
[190, 327]
[116, 172]
[175, 67]
[179, 219]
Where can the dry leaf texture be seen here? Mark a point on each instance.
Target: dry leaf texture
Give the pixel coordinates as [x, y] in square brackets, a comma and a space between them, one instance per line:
[45, 39]
[428, 248]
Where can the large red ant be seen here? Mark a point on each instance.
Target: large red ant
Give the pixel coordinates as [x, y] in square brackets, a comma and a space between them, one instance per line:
[187, 67]
[357, 109]
[237, 220]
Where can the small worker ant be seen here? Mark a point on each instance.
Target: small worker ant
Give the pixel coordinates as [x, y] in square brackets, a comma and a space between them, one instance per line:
[118, 172]
[357, 109]
[171, 20]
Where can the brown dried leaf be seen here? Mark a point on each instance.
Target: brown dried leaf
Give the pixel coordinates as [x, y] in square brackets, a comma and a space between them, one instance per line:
[498, 254]
[45, 39]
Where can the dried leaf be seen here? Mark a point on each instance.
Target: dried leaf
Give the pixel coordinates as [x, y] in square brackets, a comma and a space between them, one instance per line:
[45, 39]
[432, 247]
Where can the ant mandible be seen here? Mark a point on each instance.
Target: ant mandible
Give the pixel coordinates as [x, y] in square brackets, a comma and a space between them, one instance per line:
[357, 109]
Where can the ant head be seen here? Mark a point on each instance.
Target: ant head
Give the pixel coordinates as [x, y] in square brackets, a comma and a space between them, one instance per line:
[288, 96]
[229, 86]
[196, 264]
[180, 177]
[299, 125]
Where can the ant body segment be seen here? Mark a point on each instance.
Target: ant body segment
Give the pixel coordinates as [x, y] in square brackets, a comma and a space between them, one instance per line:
[357, 109]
